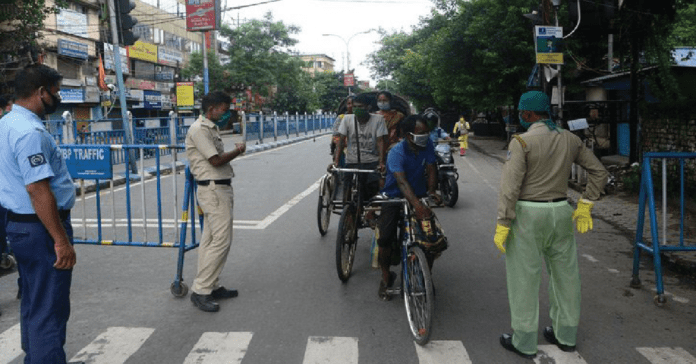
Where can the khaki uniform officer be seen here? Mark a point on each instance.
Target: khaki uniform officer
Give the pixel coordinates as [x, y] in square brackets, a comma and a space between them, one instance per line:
[533, 210]
[210, 166]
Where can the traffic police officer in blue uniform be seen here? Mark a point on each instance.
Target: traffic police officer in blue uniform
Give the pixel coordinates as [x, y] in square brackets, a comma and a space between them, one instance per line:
[38, 192]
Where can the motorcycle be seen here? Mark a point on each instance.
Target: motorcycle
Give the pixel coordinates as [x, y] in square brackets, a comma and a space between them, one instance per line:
[447, 175]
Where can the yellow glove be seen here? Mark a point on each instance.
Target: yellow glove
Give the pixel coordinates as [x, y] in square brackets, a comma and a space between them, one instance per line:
[501, 234]
[582, 214]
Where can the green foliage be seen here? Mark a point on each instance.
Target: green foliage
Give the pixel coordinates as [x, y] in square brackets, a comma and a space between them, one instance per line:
[21, 20]
[217, 77]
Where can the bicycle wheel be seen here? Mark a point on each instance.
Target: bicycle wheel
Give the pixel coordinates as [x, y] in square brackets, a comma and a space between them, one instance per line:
[325, 204]
[418, 295]
[346, 242]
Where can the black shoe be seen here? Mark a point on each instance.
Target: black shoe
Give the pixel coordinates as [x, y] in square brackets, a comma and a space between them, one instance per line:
[506, 342]
[204, 302]
[551, 338]
[223, 292]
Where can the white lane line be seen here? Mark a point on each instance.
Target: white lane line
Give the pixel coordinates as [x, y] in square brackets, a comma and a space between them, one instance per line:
[442, 351]
[667, 355]
[552, 354]
[219, 348]
[481, 175]
[10, 344]
[331, 350]
[78, 220]
[114, 346]
[283, 209]
[590, 258]
[612, 270]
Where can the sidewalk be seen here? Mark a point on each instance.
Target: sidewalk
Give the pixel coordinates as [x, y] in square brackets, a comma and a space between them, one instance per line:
[619, 210]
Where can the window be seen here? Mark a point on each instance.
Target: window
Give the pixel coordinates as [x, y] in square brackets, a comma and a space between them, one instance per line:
[68, 69]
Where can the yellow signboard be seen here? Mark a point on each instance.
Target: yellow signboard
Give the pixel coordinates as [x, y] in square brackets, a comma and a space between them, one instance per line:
[144, 51]
[549, 58]
[184, 95]
[549, 44]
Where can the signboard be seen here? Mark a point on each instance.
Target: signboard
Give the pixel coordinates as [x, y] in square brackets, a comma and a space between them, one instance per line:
[88, 162]
[166, 102]
[202, 15]
[72, 95]
[109, 59]
[139, 84]
[169, 56]
[152, 99]
[92, 94]
[184, 95]
[144, 51]
[348, 80]
[72, 22]
[548, 41]
[138, 97]
[72, 49]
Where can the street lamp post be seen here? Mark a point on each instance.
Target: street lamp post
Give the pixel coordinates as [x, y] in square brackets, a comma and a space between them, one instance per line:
[347, 65]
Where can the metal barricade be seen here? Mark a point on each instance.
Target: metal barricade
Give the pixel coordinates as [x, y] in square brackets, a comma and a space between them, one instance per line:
[116, 215]
[647, 196]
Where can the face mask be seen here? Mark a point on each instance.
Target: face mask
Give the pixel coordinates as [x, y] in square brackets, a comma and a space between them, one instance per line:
[420, 140]
[224, 118]
[384, 106]
[50, 109]
[524, 124]
[361, 114]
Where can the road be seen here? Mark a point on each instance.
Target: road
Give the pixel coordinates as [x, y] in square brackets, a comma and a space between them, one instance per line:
[292, 307]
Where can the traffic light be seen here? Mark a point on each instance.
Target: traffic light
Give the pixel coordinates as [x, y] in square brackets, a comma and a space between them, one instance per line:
[126, 22]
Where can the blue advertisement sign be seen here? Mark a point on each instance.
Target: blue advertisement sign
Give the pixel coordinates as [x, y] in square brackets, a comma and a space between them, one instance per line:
[152, 99]
[72, 95]
[88, 162]
[72, 49]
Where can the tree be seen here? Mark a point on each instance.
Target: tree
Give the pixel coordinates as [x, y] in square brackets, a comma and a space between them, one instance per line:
[218, 78]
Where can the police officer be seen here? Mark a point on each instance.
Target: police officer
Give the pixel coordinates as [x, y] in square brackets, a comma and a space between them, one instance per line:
[535, 221]
[6, 102]
[38, 192]
[210, 166]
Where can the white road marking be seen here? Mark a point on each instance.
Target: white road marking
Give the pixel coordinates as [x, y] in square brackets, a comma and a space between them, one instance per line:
[114, 346]
[612, 270]
[674, 297]
[441, 351]
[552, 354]
[10, 344]
[331, 350]
[590, 258]
[283, 209]
[219, 348]
[481, 175]
[667, 355]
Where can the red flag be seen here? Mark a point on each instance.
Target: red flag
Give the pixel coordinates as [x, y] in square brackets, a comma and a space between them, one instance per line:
[102, 82]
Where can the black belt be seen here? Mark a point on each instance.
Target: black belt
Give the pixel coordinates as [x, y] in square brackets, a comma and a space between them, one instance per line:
[547, 201]
[226, 182]
[11, 216]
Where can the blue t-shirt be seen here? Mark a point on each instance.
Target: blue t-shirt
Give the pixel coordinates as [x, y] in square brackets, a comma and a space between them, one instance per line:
[402, 159]
[28, 154]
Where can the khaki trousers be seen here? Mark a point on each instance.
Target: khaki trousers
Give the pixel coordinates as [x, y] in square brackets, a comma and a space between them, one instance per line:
[217, 202]
[542, 232]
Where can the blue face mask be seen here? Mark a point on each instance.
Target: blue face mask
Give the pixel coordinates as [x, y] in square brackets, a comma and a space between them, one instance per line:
[524, 124]
[224, 119]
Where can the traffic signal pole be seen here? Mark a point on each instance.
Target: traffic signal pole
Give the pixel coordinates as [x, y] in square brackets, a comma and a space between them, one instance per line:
[127, 125]
[206, 81]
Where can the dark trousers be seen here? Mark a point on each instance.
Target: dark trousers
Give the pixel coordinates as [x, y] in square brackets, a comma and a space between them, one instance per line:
[45, 307]
[3, 235]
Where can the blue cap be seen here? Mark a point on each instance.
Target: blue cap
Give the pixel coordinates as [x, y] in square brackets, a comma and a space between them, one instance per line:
[534, 101]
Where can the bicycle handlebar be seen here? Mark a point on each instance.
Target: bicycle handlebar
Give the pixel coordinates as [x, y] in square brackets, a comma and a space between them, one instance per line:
[354, 170]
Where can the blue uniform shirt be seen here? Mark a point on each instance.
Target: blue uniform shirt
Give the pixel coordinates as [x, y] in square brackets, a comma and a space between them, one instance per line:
[29, 154]
[402, 159]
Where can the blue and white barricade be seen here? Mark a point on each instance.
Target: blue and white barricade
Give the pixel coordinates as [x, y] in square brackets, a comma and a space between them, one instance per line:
[134, 215]
[647, 197]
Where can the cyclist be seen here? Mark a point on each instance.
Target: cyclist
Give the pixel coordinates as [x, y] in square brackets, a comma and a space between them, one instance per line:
[407, 163]
[371, 133]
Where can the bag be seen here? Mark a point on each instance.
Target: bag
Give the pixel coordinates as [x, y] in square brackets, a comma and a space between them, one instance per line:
[429, 235]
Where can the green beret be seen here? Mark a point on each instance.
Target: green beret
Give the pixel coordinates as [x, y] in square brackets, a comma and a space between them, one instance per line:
[534, 101]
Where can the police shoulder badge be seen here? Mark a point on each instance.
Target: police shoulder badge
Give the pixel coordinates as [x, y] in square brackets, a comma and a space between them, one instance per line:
[37, 160]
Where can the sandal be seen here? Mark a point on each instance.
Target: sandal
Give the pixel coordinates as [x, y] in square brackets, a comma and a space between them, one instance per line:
[383, 287]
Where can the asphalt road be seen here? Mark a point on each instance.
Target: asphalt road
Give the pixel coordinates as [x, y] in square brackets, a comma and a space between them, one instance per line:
[292, 307]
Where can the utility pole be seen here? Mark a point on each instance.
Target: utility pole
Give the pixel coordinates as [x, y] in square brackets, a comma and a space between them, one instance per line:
[127, 125]
[556, 6]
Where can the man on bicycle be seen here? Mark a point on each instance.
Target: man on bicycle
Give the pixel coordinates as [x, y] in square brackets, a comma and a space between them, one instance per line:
[407, 163]
[371, 131]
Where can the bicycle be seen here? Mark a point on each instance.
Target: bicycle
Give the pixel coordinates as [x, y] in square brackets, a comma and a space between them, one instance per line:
[352, 219]
[416, 280]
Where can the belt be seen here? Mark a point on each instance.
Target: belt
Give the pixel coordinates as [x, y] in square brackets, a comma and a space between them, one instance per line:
[547, 201]
[226, 182]
[11, 216]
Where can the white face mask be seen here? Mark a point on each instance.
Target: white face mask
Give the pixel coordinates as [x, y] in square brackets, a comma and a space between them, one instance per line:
[383, 105]
[420, 140]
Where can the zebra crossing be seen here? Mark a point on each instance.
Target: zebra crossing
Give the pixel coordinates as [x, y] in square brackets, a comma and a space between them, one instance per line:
[117, 344]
